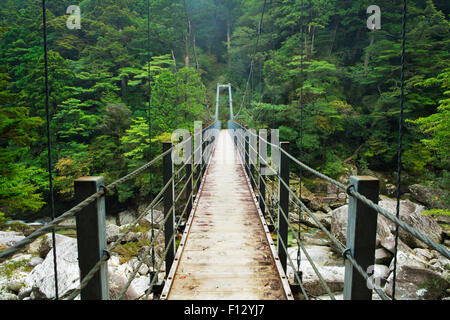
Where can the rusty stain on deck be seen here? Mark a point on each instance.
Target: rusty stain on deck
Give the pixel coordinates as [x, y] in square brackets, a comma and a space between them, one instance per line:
[226, 253]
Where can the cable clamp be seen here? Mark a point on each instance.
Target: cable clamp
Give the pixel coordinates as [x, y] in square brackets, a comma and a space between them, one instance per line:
[348, 189]
[344, 253]
[107, 254]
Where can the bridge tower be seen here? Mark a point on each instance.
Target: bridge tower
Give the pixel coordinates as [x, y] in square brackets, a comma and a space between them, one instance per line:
[230, 99]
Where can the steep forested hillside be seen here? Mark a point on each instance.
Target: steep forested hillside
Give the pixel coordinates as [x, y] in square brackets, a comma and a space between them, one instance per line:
[317, 56]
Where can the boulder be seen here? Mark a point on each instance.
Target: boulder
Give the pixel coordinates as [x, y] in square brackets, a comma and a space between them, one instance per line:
[126, 217]
[25, 292]
[424, 254]
[69, 223]
[110, 219]
[312, 202]
[34, 262]
[112, 233]
[408, 258]
[329, 265]
[332, 275]
[312, 240]
[415, 283]
[140, 285]
[10, 238]
[158, 218]
[117, 283]
[15, 282]
[339, 220]
[410, 213]
[429, 196]
[46, 243]
[381, 271]
[8, 296]
[41, 278]
[320, 255]
[382, 256]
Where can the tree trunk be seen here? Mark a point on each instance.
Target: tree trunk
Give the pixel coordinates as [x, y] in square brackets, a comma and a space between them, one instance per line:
[186, 56]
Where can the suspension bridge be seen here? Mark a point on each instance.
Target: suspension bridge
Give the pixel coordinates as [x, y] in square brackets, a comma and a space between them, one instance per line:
[230, 211]
[227, 250]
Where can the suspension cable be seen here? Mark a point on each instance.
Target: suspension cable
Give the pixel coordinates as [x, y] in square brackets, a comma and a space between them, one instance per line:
[301, 133]
[49, 145]
[150, 125]
[400, 142]
[253, 58]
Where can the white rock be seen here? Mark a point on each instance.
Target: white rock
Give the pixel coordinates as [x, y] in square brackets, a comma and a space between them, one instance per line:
[35, 261]
[415, 283]
[126, 217]
[411, 214]
[409, 259]
[69, 223]
[10, 238]
[140, 285]
[109, 219]
[41, 279]
[47, 243]
[8, 296]
[117, 283]
[158, 217]
[381, 271]
[382, 256]
[112, 233]
[384, 238]
[321, 255]
[24, 292]
[423, 254]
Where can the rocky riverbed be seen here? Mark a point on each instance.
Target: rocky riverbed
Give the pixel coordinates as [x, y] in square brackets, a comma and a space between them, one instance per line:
[29, 275]
[422, 274]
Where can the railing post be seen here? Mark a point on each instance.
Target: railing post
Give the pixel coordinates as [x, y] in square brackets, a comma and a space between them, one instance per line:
[252, 156]
[168, 203]
[262, 156]
[283, 198]
[91, 238]
[190, 181]
[246, 156]
[361, 237]
[204, 146]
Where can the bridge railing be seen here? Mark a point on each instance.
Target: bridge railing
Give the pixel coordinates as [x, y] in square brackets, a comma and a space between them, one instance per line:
[93, 253]
[358, 252]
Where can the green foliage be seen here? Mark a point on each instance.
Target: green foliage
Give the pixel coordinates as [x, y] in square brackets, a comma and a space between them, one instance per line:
[436, 212]
[318, 61]
[3, 219]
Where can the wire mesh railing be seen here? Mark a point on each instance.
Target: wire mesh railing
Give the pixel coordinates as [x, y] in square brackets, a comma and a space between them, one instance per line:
[187, 184]
[276, 184]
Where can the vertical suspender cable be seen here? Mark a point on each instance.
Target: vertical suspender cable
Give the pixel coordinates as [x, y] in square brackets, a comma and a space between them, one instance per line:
[400, 138]
[149, 98]
[49, 143]
[253, 58]
[301, 133]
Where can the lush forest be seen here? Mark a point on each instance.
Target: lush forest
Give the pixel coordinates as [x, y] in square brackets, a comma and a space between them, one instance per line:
[315, 58]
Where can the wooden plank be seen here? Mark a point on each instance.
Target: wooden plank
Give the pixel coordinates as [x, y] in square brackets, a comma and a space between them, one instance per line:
[226, 254]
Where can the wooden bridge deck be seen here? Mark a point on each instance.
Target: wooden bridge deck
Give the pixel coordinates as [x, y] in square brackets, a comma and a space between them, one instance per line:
[226, 251]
